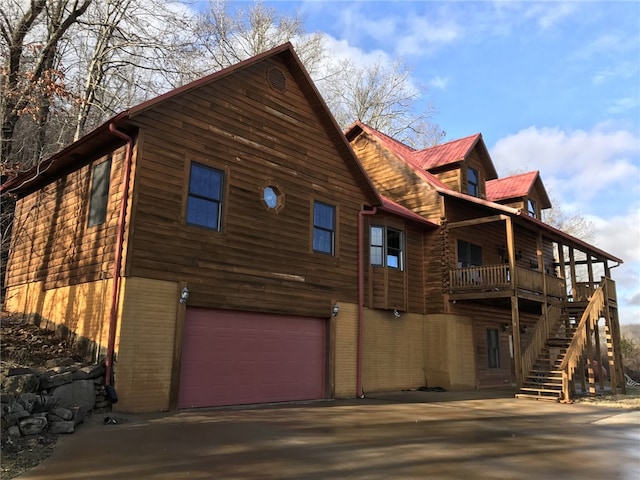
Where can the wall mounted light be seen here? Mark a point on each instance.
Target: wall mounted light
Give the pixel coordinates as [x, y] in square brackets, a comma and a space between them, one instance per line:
[524, 330]
[396, 313]
[335, 310]
[506, 327]
[184, 295]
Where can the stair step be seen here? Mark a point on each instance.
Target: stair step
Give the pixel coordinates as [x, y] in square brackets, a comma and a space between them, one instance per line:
[539, 391]
[537, 397]
[542, 385]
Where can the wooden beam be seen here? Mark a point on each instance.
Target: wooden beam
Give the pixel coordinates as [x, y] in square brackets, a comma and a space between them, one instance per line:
[477, 221]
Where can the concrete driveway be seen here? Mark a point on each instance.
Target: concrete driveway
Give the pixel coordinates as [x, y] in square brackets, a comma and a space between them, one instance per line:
[407, 435]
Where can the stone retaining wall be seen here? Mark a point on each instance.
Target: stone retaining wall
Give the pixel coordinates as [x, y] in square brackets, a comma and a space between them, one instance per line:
[55, 400]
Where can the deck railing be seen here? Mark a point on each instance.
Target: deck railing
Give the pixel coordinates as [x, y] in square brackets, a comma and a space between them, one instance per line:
[489, 277]
[542, 331]
[578, 344]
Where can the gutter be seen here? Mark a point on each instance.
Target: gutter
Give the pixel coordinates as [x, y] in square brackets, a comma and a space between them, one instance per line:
[361, 214]
[115, 291]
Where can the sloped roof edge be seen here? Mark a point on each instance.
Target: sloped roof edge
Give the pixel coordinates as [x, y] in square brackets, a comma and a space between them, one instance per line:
[538, 223]
[63, 159]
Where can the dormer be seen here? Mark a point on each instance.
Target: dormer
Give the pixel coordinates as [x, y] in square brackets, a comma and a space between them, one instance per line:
[463, 165]
[525, 192]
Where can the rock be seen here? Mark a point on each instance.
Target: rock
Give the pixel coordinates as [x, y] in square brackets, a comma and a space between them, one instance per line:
[14, 432]
[62, 427]
[103, 404]
[55, 380]
[79, 414]
[76, 394]
[21, 371]
[89, 372]
[44, 403]
[16, 407]
[70, 368]
[17, 384]
[32, 425]
[12, 419]
[59, 362]
[27, 400]
[63, 413]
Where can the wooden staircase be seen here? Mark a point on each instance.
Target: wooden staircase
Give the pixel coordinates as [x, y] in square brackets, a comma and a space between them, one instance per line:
[561, 340]
[544, 379]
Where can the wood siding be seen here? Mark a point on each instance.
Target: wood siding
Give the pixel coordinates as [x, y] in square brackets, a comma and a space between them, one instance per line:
[391, 288]
[260, 260]
[51, 241]
[393, 178]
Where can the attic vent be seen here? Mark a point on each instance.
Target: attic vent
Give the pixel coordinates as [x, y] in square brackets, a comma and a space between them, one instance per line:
[277, 80]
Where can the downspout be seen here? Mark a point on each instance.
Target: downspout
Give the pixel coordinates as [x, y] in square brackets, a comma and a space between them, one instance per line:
[115, 291]
[361, 215]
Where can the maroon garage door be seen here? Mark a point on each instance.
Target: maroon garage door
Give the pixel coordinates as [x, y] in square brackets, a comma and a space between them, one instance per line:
[232, 358]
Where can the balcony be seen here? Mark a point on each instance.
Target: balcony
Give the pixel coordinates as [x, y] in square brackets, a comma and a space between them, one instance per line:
[496, 281]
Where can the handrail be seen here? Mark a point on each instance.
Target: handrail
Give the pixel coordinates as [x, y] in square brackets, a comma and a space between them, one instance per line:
[541, 333]
[578, 343]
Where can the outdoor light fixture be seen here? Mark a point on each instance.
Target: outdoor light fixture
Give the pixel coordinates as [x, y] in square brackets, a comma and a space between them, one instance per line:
[506, 328]
[335, 310]
[396, 313]
[184, 295]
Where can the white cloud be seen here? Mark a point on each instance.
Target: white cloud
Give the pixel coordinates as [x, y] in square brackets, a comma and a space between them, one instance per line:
[421, 35]
[623, 104]
[548, 14]
[594, 160]
[439, 83]
[587, 170]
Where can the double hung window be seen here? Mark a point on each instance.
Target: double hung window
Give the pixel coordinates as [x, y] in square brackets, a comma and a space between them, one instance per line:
[386, 247]
[324, 228]
[204, 204]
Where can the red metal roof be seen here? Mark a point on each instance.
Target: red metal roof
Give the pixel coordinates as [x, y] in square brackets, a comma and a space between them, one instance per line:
[446, 153]
[511, 187]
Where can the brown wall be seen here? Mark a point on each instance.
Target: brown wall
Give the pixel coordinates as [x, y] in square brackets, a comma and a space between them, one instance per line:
[261, 260]
[51, 239]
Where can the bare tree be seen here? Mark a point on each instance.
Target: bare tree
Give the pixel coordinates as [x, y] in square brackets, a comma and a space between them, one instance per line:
[134, 49]
[574, 223]
[228, 38]
[381, 96]
[31, 80]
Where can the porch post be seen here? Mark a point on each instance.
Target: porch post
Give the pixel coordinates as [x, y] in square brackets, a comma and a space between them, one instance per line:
[515, 314]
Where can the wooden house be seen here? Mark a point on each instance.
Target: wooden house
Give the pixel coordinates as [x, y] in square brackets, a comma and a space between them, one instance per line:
[208, 245]
[509, 299]
[226, 244]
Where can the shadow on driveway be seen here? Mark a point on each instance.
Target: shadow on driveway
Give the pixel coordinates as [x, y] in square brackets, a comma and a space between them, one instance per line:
[404, 435]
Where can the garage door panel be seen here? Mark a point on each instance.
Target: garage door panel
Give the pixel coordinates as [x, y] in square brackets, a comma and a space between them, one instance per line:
[231, 358]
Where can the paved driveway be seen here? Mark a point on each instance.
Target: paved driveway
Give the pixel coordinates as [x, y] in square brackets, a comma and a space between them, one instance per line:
[408, 435]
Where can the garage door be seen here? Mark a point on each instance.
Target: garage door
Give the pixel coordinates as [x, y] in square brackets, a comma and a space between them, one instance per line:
[233, 358]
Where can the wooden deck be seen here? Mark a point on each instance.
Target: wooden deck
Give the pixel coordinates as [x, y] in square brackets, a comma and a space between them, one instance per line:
[497, 280]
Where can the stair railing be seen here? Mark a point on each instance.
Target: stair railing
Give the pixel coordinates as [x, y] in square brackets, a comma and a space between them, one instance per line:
[576, 348]
[544, 326]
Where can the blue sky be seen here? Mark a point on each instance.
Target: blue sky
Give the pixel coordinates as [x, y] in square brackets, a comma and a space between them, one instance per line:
[552, 86]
